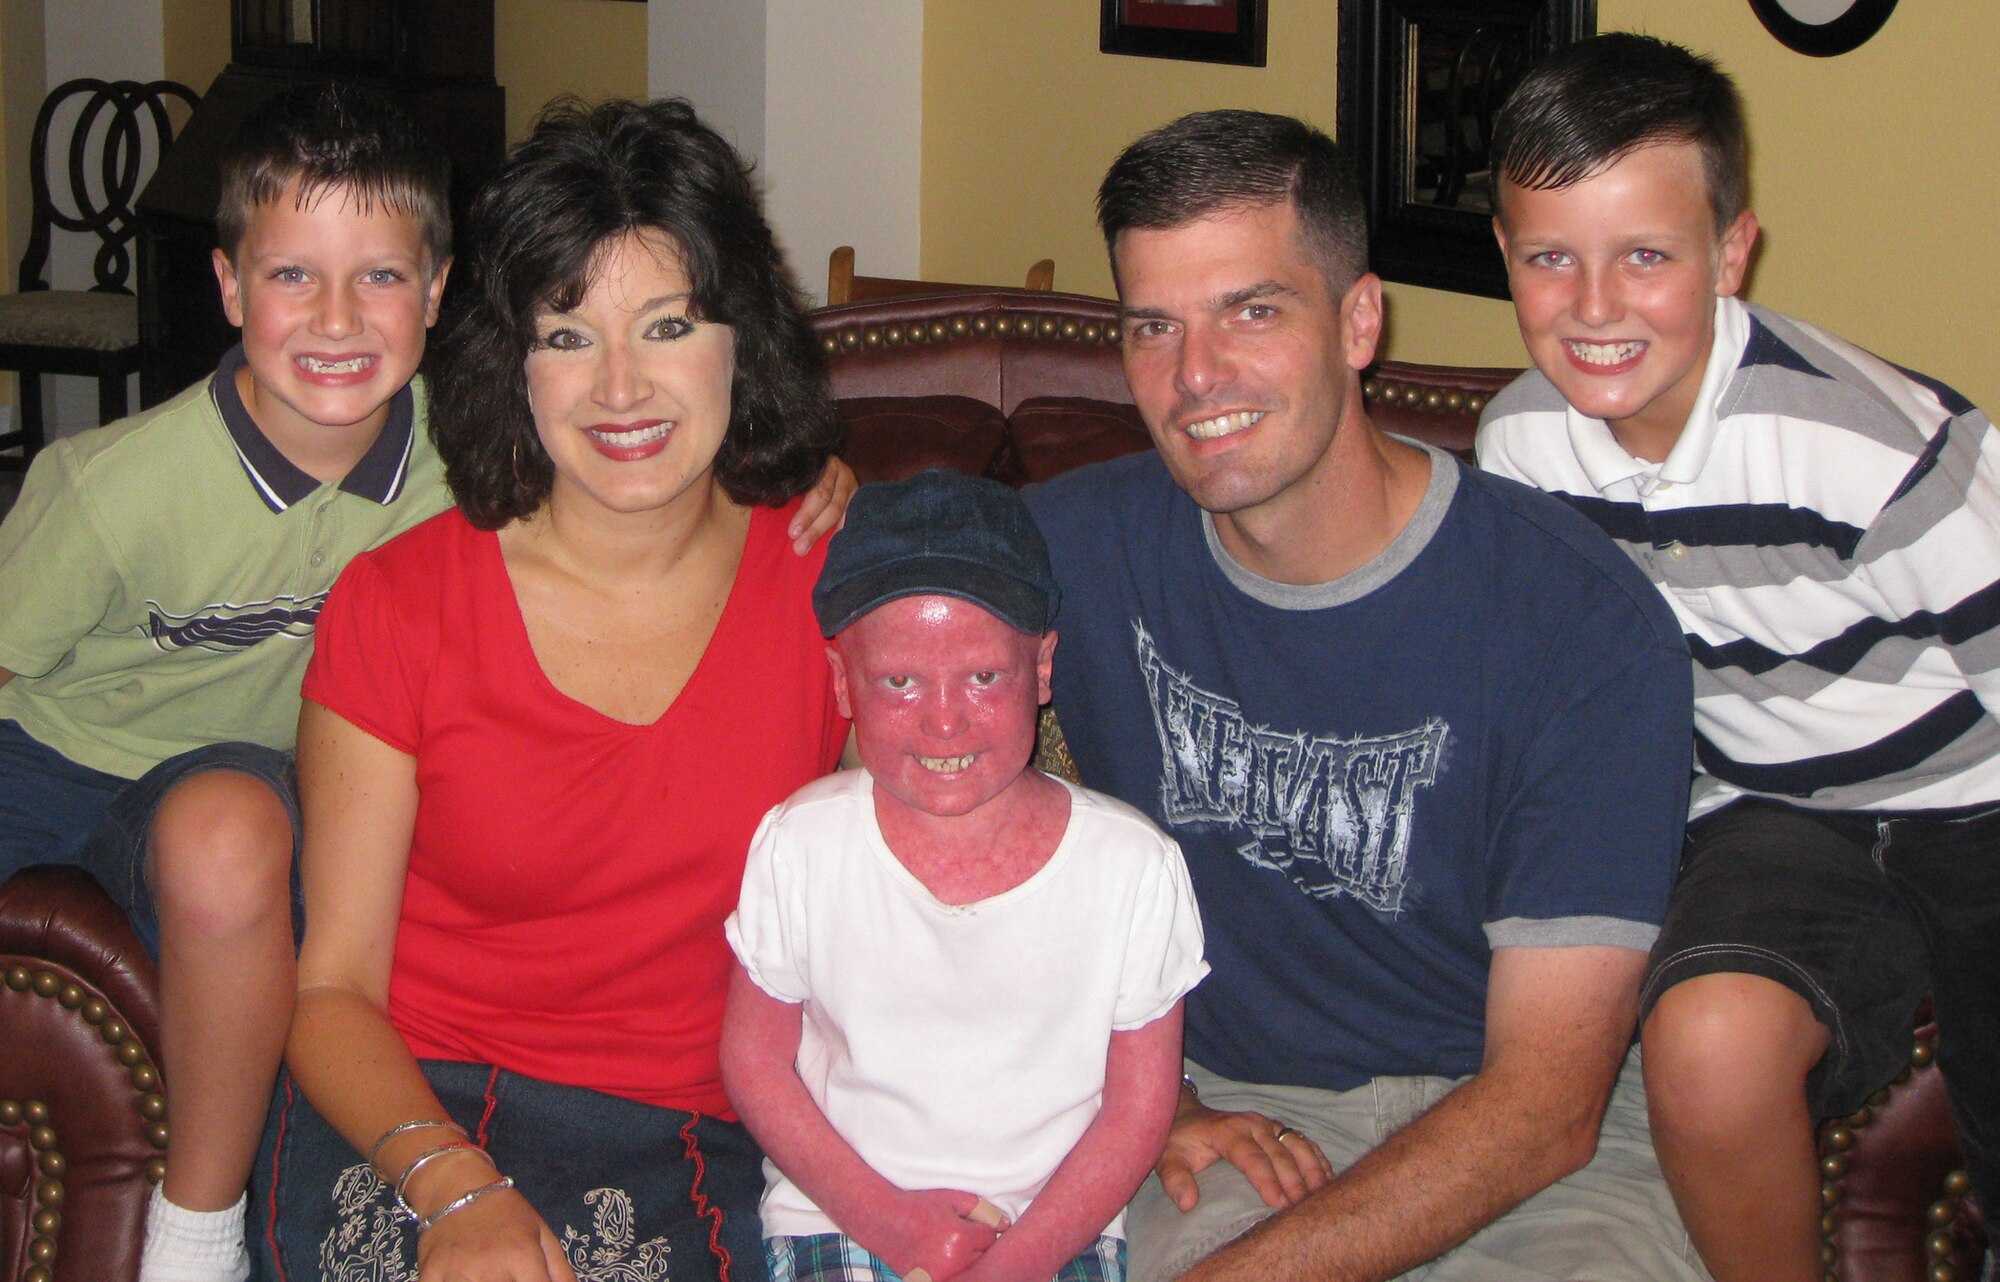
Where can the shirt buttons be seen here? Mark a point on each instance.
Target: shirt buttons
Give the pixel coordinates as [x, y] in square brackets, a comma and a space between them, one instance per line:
[318, 559]
[1676, 550]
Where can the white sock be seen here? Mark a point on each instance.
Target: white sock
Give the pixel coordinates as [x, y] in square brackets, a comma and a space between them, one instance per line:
[193, 1246]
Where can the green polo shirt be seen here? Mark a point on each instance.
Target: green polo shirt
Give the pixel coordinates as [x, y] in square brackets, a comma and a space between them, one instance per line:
[160, 577]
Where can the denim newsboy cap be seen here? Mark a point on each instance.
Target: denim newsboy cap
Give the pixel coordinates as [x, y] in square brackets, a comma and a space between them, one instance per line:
[940, 532]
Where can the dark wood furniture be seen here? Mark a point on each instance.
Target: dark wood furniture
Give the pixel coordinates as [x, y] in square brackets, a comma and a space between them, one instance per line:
[435, 57]
[843, 286]
[84, 182]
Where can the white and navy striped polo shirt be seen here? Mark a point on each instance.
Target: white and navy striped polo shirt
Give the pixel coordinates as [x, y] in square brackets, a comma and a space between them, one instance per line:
[1827, 530]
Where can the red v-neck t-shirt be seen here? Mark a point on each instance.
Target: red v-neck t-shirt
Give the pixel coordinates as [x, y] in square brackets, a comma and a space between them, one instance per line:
[569, 873]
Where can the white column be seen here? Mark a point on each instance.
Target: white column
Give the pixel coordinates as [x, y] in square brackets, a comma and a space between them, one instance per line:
[711, 52]
[827, 97]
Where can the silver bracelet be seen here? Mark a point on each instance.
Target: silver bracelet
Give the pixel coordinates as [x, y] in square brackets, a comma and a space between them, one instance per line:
[430, 1154]
[1187, 1084]
[403, 1128]
[462, 1201]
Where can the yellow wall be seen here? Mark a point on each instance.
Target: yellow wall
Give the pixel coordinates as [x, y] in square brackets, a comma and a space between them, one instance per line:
[586, 47]
[1874, 174]
[196, 35]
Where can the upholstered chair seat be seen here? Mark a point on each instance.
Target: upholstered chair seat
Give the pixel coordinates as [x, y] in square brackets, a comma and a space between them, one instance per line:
[72, 318]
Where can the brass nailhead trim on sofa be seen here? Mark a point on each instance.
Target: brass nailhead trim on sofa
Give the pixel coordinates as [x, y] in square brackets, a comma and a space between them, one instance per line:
[46, 1216]
[1435, 399]
[1940, 1215]
[986, 324]
[1833, 1165]
[129, 1052]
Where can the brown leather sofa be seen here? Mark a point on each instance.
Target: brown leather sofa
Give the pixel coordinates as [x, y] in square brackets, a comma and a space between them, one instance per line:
[1007, 383]
[83, 1128]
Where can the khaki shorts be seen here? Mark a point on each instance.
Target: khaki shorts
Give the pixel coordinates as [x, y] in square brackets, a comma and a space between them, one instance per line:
[1613, 1221]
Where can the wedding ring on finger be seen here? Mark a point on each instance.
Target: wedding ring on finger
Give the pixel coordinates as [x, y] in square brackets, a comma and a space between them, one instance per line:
[1283, 1133]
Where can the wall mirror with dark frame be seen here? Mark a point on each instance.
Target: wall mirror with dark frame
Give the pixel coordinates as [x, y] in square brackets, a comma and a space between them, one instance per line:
[1420, 81]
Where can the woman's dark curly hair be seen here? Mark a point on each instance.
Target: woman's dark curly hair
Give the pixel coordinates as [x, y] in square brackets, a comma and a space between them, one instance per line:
[586, 176]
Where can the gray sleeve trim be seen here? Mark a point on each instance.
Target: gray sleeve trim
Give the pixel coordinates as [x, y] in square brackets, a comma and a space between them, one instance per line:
[1567, 932]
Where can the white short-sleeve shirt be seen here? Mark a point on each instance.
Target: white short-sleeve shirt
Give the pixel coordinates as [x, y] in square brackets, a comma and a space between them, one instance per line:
[959, 1046]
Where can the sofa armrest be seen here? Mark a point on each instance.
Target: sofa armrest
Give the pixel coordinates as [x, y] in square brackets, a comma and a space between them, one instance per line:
[82, 1108]
[1897, 1204]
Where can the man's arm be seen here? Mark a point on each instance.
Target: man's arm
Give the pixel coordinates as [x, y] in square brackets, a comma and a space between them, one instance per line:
[1558, 1022]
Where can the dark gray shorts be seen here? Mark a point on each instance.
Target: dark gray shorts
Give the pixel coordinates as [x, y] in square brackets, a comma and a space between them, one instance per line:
[1810, 900]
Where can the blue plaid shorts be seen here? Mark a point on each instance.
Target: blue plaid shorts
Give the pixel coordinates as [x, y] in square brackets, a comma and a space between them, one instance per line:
[834, 1257]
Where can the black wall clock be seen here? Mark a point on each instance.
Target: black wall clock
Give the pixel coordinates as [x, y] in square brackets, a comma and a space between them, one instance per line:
[1823, 28]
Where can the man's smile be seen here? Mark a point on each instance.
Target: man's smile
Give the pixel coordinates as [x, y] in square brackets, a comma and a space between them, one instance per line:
[1209, 429]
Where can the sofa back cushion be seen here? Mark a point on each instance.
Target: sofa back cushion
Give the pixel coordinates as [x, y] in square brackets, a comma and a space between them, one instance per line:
[893, 437]
[1049, 435]
[1047, 367]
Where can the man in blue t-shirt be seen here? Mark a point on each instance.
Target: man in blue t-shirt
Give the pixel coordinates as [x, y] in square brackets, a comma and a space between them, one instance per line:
[1423, 735]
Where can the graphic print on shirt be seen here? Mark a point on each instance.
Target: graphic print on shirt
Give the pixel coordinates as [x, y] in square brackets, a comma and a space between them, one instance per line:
[226, 628]
[1335, 815]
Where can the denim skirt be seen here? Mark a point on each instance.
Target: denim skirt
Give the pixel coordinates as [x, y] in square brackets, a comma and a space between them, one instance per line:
[632, 1192]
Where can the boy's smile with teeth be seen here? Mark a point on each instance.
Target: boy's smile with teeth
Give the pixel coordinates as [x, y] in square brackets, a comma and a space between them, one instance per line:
[352, 365]
[946, 765]
[1615, 278]
[1223, 424]
[333, 297]
[1604, 353]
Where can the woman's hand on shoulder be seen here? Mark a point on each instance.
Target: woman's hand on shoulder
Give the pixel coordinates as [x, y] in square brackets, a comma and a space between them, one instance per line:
[824, 506]
[499, 1238]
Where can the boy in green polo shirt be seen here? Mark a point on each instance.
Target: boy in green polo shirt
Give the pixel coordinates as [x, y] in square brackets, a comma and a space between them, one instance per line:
[159, 581]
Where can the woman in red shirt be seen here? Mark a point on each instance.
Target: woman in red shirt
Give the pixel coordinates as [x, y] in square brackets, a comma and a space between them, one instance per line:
[540, 730]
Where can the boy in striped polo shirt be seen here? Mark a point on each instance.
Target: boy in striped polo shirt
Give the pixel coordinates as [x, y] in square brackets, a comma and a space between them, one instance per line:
[1826, 527]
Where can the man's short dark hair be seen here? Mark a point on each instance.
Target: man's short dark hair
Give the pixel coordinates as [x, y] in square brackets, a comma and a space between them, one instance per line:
[336, 139]
[1213, 162]
[584, 178]
[1596, 101]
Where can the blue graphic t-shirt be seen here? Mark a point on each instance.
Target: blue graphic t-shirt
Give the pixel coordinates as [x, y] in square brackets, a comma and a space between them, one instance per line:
[1479, 739]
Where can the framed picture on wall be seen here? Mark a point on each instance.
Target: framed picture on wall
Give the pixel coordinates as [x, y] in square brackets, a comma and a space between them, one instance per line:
[1193, 30]
[1823, 28]
[1419, 83]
